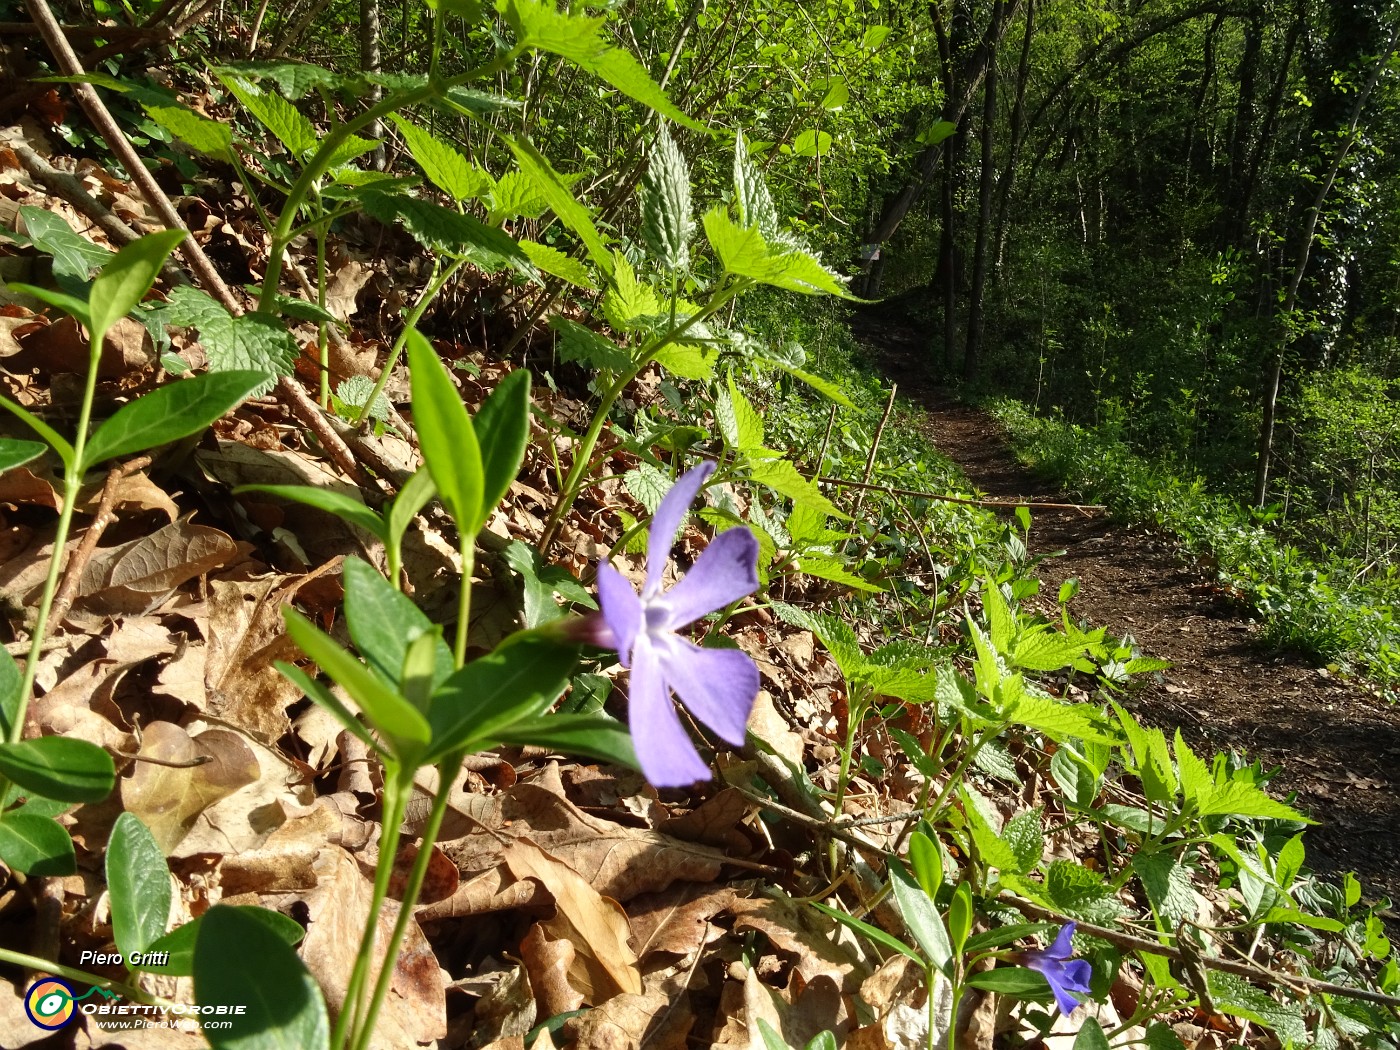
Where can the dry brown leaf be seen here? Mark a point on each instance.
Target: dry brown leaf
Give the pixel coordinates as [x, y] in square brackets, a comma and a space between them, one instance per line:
[135, 491]
[630, 1022]
[415, 1010]
[21, 487]
[774, 730]
[803, 936]
[245, 636]
[136, 577]
[344, 286]
[605, 964]
[169, 799]
[677, 921]
[619, 862]
[548, 962]
[713, 823]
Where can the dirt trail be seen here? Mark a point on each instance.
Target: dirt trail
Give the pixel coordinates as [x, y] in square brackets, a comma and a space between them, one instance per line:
[1339, 746]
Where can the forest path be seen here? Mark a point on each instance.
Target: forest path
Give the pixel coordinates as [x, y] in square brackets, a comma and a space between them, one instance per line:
[1339, 745]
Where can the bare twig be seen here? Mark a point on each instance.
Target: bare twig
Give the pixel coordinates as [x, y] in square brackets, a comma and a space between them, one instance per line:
[73, 571]
[1251, 971]
[894, 491]
[302, 406]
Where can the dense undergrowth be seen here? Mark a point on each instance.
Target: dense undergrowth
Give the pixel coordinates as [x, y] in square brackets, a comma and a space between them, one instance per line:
[1334, 608]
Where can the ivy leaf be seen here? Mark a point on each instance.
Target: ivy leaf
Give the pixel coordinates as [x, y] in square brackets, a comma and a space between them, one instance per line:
[666, 219]
[73, 255]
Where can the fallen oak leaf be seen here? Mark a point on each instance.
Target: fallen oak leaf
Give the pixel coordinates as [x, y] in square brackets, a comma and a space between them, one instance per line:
[138, 576]
[605, 964]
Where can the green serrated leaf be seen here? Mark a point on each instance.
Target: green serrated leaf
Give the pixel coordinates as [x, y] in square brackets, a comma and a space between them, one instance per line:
[255, 342]
[297, 134]
[555, 263]
[577, 343]
[561, 201]
[782, 477]
[539, 24]
[667, 225]
[446, 168]
[445, 230]
[210, 137]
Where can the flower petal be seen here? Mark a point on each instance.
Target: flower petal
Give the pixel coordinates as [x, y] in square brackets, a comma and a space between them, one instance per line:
[719, 686]
[1063, 947]
[1072, 976]
[725, 572]
[667, 520]
[622, 609]
[667, 756]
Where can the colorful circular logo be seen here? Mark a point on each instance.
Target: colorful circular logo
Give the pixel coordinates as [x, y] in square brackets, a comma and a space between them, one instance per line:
[49, 1003]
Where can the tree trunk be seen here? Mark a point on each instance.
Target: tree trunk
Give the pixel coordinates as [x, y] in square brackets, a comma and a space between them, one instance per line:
[1290, 301]
[1018, 132]
[986, 185]
[370, 63]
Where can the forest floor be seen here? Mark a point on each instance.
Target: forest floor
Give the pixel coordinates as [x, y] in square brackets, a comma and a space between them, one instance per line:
[1338, 744]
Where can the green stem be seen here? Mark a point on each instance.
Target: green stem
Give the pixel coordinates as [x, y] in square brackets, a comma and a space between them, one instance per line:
[447, 776]
[398, 783]
[72, 483]
[573, 483]
[429, 293]
[126, 991]
[467, 547]
[322, 335]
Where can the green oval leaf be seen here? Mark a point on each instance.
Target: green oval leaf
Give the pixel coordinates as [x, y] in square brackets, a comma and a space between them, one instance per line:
[241, 961]
[381, 620]
[596, 736]
[401, 724]
[53, 437]
[169, 413]
[445, 434]
[479, 703]
[36, 845]
[338, 503]
[502, 428]
[138, 880]
[178, 944]
[1016, 981]
[59, 768]
[921, 916]
[125, 280]
[14, 452]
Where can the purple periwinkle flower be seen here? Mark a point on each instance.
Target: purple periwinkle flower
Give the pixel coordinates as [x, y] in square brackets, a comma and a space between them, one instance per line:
[718, 686]
[1064, 974]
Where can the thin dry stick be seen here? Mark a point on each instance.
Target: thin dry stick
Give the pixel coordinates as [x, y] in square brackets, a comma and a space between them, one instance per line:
[73, 571]
[892, 490]
[1252, 971]
[874, 450]
[306, 410]
[826, 438]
